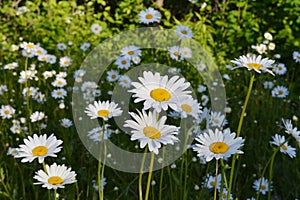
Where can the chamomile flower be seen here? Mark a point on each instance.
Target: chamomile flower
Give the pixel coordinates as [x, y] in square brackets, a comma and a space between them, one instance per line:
[224, 195]
[281, 142]
[268, 36]
[189, 106]
[175, 52]
[112, 75]
[185, 52]
[66, 123]
[104, 110]
[96, 29]
[159, 92]
[28, 46]
[42, 57]
[6, 111]
[261, 185]
[149, 130]
[39, 147]
[11, 66]
[98, 134]
[51, 59]
[61, 46]
[280, 92]
[55, 176]
[13, 151]
[85, 46]
[210, 182]
[280, 69]
[37, 116]
[296, 56]
[289, 129]
[59, 93]
[216, 119]
[59, 82]
[39, 51]
[131, 51]
[254, 63]
[125, 81]
[65, 61]
[122, 62]
[217, 144]
[150, 15]
[184, 32]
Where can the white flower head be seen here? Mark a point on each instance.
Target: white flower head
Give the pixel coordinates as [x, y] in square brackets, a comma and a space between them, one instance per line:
[104, 110]
[150, 15]
[281, 142]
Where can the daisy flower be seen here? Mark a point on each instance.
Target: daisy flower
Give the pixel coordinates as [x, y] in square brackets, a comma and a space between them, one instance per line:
[280, 92]
[185, 52]
[150, 15]
[184, 32]
[284, 147]
[151, 131]
[210, 182]
[59, 93]
[189, 106]
[66, 123]
[280, 69]
[104, 109]
[224, 195]
[28, 46]
[56, 176]
[11, 66]
[39, 147]
[268, 36]
[217, 144]
[96, 29]
[61, 46]
[261, 185]
[122, 62]
[59, 82]
[112, 76]
[51, 59]
[125, 81]
[28, 54]
[65, 61]
[296, 56]
[42, 58]
[13, 151]
[159, 92]
[98, 134]
[216, 119]
[131, 51]
[39, 51]
[37, 116]
[175, 52]
[254, 63]
[289, 129]
[85, 46]
[6, 111]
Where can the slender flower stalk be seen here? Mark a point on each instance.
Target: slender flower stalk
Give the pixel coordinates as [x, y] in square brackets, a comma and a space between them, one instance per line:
[141, 176]
[215, 188]
[238, 134]
[149, 176]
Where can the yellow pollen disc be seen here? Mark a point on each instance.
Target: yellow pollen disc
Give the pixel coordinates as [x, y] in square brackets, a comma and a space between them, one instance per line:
[176, 54]
[96, 29]
[284, 147]
[59, 83]
[151, 132]
[39, 151]
[55, 180]
[103, 113]
[280, 92]
[160, 94]
[216, 121]
[30, 46]
[113, 76]
[43, 58]
[13, 152]
[66, 62]
[263, 187]
[280, 68]
[298, 57]
[131, 53]
[7, 112]
[218, 147]
[123, 62]
[254, 65]
[149, 16]
[59, 93]
[184, 32]
[212, 184]
[224, 196]
[186, 108]
[101, 136]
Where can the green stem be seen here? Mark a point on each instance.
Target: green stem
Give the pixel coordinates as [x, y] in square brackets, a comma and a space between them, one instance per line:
[238, 133]
[149, 176]
[161, 175]
[271, 174]
[102, 173]
[99, 177]
[77, 190]
[141, 176]
[55, 194]
[215, 189]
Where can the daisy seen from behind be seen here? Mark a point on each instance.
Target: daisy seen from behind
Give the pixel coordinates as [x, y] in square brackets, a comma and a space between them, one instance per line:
[56, 176]
[149, 130]
[39, 147]
[281, 142]
[257, 64]
[218, 144]
[150, 15]
[159, 92]
[104, 110]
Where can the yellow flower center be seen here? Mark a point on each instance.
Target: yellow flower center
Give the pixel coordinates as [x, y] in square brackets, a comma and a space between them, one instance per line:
[39, 151]
[43, 58]
[186, 108]
[184, 32]
[283, 147]
[7, 112]
[13, 152]
[151, 132]
[103, 113]
[176, 53]
[66, 62]
[30, 46]
[224, 196]
[279, 68]
[254, 65]
[113, 76]
[59, 93]
[59, 83]
[218, 147]
[213, 184]
[263, 187]
[123, 62]
[298, 57]
[131, 52]
[160, 94]
[280, 92]
[216, 121]
[55, 180]
[149, 16]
